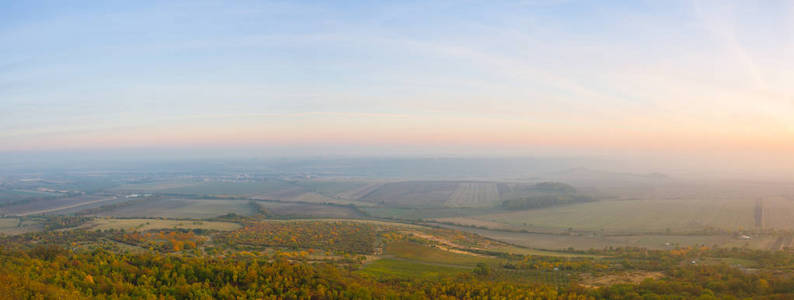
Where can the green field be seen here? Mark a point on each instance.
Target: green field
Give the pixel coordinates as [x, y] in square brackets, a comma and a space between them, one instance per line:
[408, 259]
[402, 268]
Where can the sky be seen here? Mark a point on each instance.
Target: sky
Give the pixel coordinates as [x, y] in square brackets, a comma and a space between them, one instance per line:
[683, 80]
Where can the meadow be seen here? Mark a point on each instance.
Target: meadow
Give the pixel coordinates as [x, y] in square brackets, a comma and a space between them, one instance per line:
[400, 268]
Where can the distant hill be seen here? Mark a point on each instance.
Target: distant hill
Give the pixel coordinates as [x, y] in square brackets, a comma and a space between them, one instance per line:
[591, 177]
[471, 194]
[546, 194]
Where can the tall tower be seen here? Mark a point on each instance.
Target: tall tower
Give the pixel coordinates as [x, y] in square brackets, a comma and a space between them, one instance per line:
[759, 214]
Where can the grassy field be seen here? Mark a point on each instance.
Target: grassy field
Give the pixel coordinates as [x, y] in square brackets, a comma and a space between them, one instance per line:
[421, 253]
[151, 224]
[407, 259]
[183, 208]
[402, 268]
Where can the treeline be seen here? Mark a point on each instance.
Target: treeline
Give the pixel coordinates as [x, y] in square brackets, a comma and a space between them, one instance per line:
[59, 222]
[114, 206]
[554, 187]
[546, 194]
[546, 200]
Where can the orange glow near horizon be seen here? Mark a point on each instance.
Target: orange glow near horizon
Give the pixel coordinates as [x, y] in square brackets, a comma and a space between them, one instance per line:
[397, 130]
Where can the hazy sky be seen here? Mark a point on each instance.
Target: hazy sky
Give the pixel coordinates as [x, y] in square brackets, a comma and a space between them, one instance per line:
[573, 77]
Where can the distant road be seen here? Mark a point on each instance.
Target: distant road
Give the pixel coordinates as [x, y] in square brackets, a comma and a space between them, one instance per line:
[44, 211]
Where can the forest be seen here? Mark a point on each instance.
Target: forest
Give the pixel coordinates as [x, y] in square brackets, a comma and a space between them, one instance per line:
[335, 259]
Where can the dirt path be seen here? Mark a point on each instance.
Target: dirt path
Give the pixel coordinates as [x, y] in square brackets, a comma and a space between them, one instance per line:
[444, 244]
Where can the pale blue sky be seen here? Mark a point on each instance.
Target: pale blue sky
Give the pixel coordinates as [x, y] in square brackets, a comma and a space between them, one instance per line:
[577, 76]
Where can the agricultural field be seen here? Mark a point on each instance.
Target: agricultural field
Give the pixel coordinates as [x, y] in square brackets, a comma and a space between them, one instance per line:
[156, 224]
[305, 210]
[152, 186]
[235, 188]
[181, 208]
[9, 225]
[410, 250]
[333, 189]
[474, 194]
[13, 226]
[359, 192]
[464, 194]
[408, 213]
[12, 196]
[8, 222]
[585, 241]
[412, 193]
[400, 268]
[272, 189]
[381, 254]
[309, 197]
[658, 215]
[53, 205]
[676, 215]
